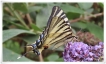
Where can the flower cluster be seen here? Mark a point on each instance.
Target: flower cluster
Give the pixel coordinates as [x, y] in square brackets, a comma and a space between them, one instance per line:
[79, 51]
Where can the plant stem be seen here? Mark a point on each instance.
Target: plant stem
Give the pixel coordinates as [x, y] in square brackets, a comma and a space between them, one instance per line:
[40, 58]
[88, 17]
[17, 15]
[29, 19]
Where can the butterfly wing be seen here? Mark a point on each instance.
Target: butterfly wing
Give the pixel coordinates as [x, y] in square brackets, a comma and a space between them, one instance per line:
[58, 29]
[57, 32]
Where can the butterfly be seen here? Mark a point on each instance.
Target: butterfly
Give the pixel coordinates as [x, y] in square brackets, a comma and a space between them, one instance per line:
[57, 32]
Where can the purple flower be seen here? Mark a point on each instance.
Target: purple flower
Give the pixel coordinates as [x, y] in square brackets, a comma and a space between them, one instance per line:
[79, 51]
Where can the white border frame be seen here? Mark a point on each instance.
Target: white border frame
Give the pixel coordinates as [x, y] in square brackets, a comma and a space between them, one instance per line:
[1, 3]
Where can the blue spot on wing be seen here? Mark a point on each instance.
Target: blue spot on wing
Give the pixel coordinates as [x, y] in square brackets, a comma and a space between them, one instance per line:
[37, 42]
[42, 36]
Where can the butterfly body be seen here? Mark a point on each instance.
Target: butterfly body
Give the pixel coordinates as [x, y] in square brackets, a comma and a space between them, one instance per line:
[57, 32]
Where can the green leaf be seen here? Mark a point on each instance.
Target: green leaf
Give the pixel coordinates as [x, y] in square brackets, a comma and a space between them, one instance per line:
[9, 18]
[53, 57]
[71, 15]
[10, 56]
[20, 7]
[81, 25]
[30, 38]
[96, 30]
[89, 11]
[34, 8]
[60, 60]
[68, 8]
[14, 46]
[35, 27]
[19, 26]
[33, 16]
[85, 6]
[7, 34]
[101, 4]
[43, 16]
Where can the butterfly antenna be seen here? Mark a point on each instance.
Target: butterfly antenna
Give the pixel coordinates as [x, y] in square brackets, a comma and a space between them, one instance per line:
[26, 45]
[21, 56]
[24, 53]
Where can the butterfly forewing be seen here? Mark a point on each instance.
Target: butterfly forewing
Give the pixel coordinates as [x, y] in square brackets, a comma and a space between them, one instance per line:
[58, 28]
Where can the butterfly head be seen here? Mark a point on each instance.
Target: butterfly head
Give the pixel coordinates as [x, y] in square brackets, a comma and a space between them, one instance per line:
[29, 48]
[37, 46]
[33, 48]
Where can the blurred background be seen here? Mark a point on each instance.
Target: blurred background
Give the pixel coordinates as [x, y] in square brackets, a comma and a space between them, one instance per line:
[24, 22]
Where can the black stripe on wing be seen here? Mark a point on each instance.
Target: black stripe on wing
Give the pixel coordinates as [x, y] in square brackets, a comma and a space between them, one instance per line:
[62, 32]
[56, 11]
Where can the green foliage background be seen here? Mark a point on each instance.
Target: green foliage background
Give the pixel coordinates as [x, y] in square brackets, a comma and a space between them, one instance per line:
[24, 22]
